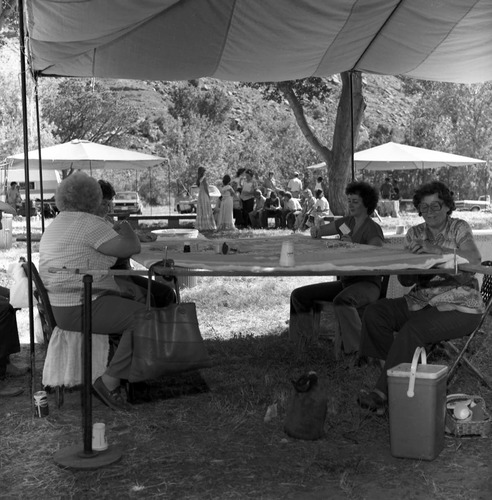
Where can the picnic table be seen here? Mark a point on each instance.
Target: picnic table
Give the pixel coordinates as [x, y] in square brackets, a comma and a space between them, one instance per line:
[173, 220]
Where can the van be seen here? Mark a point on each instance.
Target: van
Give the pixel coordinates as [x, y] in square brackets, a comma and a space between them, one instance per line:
[51, 179]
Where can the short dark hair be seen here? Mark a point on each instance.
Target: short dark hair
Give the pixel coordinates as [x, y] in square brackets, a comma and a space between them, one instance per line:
[107, 189]
[13, 183]
[368, 193]
[226, 179]
[319, 179]
[434, 187]
[318, 192]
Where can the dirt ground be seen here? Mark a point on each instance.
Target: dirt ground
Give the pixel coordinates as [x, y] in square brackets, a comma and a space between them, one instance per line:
[204, 437]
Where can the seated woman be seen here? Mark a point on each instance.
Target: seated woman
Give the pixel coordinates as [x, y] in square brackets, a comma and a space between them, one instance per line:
[351, 292]
[133, 286]
[79, 238]
[439, 307]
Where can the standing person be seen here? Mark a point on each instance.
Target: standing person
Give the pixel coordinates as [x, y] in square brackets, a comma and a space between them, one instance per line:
[14, 198]
[320, 185]
[225, 221]
[350, 292]
[237, 209]
[395, 195]
[248, 195]
[204, 214]
[237, 182]
[269, 184]
[386, 189]
[439, 307]
[295, 186]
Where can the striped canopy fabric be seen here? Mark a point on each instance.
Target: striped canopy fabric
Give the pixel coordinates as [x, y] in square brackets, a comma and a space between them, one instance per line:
[260, 40]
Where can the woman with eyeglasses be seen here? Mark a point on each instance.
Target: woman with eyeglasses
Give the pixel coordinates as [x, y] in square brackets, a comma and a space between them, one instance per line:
[438, 307]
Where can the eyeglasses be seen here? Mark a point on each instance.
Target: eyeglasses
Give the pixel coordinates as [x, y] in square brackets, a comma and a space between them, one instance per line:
[435, 206]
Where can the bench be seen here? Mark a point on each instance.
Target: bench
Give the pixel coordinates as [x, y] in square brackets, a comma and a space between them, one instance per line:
[173, 220]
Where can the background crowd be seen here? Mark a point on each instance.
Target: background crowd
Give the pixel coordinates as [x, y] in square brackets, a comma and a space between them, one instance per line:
[247, 201]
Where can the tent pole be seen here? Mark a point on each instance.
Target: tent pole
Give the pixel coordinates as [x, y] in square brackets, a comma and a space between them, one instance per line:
[27, 190]
[150, 190]
[41, 188]
[351, 91]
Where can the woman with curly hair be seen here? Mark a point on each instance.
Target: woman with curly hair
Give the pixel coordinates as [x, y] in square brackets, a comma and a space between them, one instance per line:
[78, 238]
[438, 307]
[351, 292]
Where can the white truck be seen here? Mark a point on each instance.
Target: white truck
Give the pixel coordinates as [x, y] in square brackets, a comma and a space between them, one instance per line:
[483, 203]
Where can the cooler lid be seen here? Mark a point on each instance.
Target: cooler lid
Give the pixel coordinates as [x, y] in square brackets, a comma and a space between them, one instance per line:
[423, 371]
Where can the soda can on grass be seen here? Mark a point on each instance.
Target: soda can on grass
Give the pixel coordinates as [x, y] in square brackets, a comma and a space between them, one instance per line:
[41, 408]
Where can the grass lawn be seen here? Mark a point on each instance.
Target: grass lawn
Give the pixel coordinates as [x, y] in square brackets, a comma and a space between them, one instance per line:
[203, 435]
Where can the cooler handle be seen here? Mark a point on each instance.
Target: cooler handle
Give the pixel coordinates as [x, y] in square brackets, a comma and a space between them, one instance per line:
[419, 352]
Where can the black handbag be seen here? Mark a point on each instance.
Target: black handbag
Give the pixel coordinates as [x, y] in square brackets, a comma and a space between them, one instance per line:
[166, 340]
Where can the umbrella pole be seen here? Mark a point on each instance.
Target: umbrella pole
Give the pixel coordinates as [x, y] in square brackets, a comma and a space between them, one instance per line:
[28, 193]
[41, 188]
[351, 91]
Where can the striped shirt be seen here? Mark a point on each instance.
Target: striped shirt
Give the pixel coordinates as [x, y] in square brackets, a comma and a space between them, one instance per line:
[71, 241]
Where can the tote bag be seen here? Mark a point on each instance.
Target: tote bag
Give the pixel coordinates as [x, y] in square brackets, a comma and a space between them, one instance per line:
[166, 340]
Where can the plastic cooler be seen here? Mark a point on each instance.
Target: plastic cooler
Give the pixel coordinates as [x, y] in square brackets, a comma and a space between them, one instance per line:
[417, 408]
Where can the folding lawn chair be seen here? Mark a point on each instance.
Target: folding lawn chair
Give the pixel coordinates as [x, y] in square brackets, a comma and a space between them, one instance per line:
[449, 345]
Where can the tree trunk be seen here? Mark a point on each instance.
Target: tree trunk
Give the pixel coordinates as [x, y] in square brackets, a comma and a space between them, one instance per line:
[340, 167]
[339, 158]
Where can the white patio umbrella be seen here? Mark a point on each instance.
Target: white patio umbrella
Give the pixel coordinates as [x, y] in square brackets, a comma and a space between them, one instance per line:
[81, 154]
[394, 156]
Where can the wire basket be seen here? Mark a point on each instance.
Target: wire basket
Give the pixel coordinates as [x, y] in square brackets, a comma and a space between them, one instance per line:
[478, 424]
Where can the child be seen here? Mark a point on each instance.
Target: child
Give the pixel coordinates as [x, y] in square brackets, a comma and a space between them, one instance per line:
[225, 221]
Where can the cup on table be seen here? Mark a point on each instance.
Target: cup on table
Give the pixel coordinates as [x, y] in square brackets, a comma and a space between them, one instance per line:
[287, 258]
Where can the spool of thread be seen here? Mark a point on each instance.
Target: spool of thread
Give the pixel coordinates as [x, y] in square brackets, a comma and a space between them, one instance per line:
[41, 408]
[99, 441]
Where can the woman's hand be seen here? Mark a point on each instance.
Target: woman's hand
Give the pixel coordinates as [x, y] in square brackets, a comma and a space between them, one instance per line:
[423, 246]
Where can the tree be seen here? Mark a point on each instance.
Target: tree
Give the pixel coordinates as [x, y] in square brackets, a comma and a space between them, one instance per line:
[456, 118]
[338, 158]
[87, 109]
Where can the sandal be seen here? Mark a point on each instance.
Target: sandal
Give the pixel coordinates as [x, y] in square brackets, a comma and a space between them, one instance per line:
[372, 401]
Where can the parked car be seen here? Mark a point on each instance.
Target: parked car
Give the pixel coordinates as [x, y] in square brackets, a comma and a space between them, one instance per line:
[127, 202]
[186, 202]
[483, 203]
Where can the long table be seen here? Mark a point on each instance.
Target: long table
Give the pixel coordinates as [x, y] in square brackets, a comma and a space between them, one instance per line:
[313, 257]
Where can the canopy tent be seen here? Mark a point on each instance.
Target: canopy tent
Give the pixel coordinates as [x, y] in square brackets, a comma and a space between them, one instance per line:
[252, 40]
[80, 154]
[394, 156]
[260, 40]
